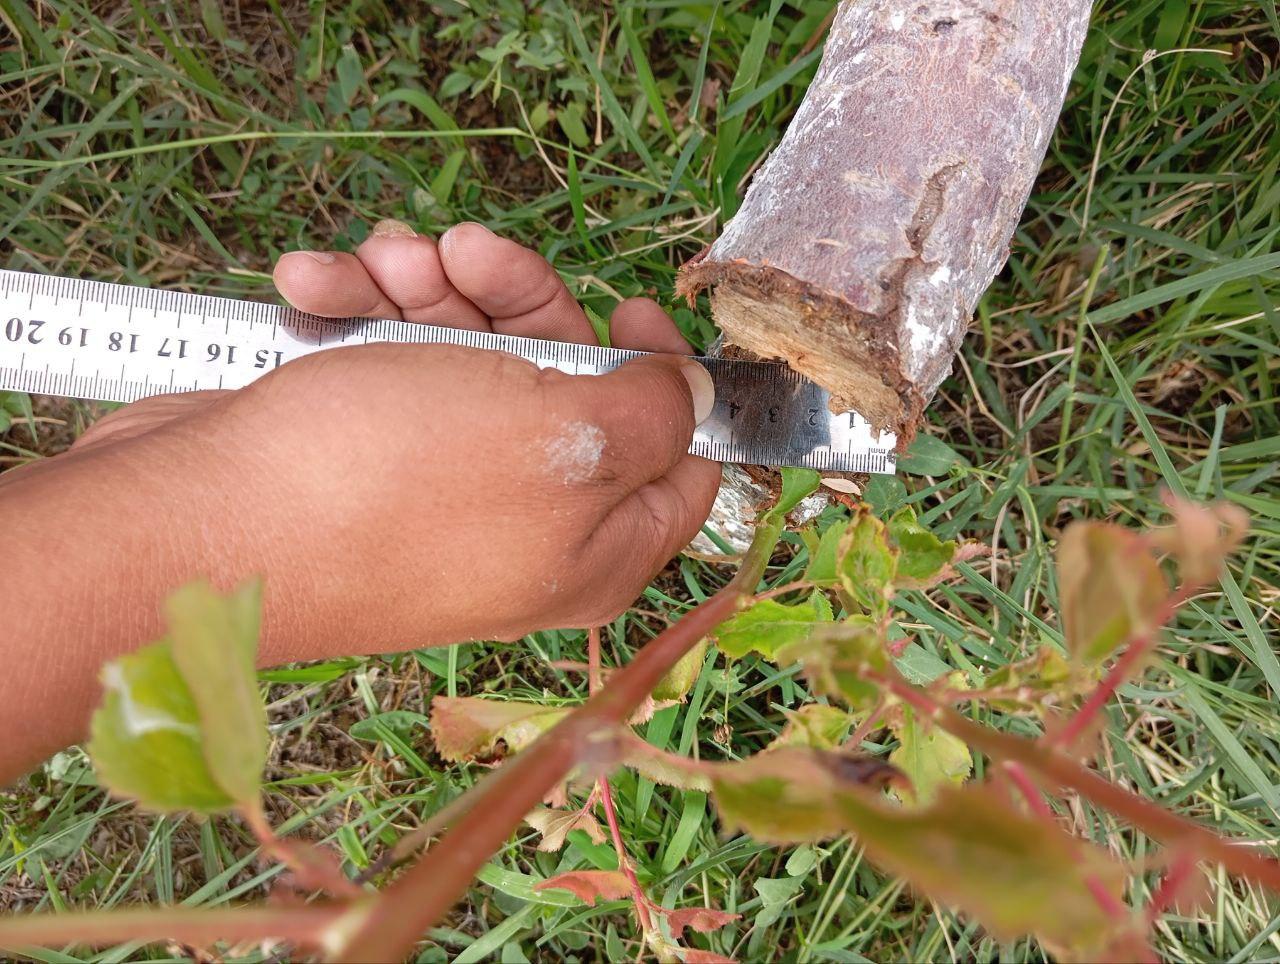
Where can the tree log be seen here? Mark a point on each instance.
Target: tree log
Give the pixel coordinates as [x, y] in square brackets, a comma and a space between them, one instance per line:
[865, 241]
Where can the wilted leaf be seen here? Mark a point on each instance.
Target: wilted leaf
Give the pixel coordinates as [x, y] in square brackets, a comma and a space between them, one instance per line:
[680, 678]
[789, 795]
[1109, 587]
[796, 484]
[837, 658]
[1016, 874]
[145, 736]
[589, 885]
[214, 641]
[555, 826]
[867, 564]
[930, 757]
[468, 727]
[766, 627]
[923, 559]
[704, 920]
[814, 725]
[1201, 537]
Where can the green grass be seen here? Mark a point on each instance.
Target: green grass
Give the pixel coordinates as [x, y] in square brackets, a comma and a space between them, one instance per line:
[189, 144]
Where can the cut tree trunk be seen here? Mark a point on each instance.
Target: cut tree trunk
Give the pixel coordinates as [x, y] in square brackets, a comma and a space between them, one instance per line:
[865, 241]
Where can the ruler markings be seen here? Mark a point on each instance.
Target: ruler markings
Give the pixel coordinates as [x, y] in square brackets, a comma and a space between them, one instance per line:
[765, 413]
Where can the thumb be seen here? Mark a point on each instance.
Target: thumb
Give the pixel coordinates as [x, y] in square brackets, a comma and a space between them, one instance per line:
[647, 409]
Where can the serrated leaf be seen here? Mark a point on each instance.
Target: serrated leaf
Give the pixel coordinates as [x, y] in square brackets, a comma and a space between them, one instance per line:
[1109, 587]
[589, 885]
[867, 564]
[766, 627]
[923, 558]
[788, 796]
[555, 826]
[469, 727]
[214, 642]
[815, 725]
[145, 736]
[838, 657]
[796, 484]
[680, 678]
[929, 757]
[704, 920]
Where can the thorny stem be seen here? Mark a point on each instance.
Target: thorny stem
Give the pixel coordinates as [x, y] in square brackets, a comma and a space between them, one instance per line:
[1140, 644]
[425, 892]
[606, 797]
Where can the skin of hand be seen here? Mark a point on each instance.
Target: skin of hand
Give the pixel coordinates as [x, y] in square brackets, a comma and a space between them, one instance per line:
[392, 496]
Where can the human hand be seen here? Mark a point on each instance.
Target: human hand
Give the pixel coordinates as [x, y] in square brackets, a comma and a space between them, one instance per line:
[406, 495]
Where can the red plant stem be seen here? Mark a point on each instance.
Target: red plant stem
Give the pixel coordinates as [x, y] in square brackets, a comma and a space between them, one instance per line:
[1060, 770]
[313, 868]
[605, 791]
[1139, 646]
[1030, 792]
[301, 924]
[426, 891]
[624, 863]
[1166, 895]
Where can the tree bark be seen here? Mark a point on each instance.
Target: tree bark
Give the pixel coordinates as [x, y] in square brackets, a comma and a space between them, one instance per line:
[865, 241]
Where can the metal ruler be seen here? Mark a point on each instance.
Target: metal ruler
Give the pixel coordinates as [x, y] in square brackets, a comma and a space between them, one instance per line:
[119, 343]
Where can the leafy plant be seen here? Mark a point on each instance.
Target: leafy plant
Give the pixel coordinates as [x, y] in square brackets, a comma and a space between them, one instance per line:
[181, 727]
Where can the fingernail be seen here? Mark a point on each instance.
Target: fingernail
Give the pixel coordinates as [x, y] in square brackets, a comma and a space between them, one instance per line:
[391, 228]
[476, 224]
[319, 257]
[702, 388]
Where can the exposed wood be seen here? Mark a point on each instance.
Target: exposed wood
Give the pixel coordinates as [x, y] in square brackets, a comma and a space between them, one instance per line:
[865, 241]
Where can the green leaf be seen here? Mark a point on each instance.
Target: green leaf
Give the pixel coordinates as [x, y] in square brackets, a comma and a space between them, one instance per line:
[1016, 874]
[181, 725]
[468, 727]
[815, 725]
[214, 642]
[145, 736]
[824, 555]
[766, 627]
[867, 564]
[930, 757]
[837, 658]
[398, 722]
[929, 455]
[1109, 588]
[350, 74]
[681, 677]
[796, 484]
[569, 117]
[922, 557]
[789, 795]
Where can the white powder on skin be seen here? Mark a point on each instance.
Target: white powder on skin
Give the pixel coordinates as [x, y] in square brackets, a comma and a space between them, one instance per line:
[575, 451]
